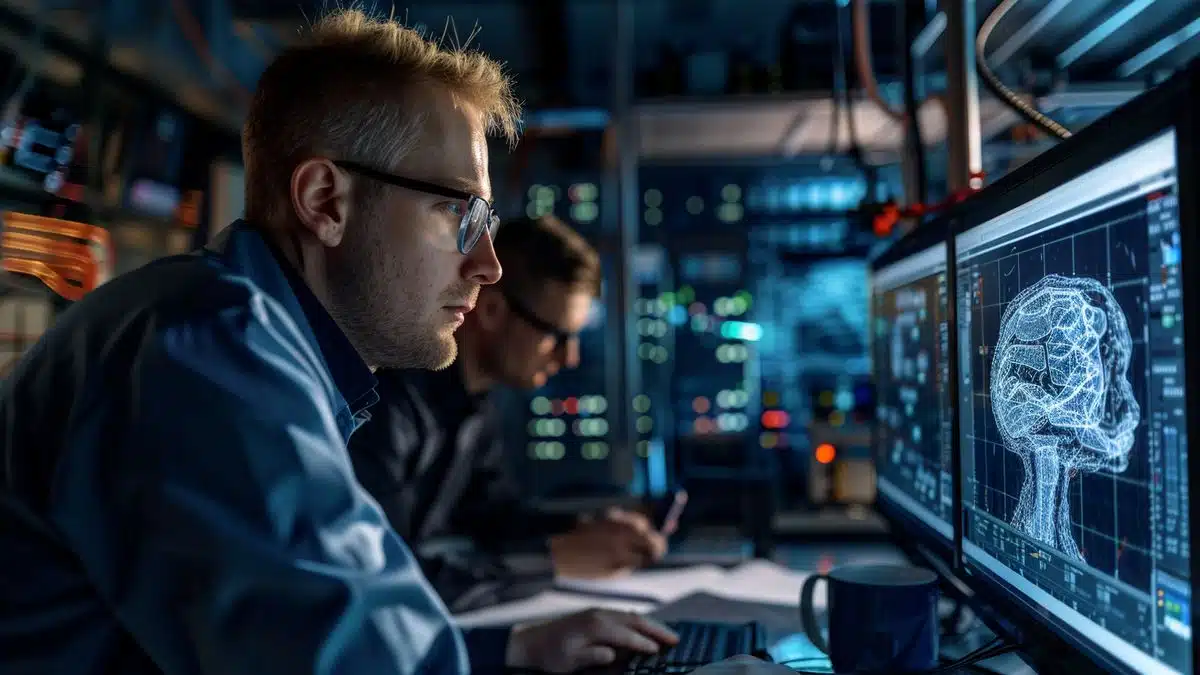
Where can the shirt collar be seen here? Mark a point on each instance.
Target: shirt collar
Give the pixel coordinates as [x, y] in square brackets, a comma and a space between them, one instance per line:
[453, 382]
[444, 390]
[244, 248]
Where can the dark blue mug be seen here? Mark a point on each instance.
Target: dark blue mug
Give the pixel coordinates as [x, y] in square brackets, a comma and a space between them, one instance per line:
[882, 618]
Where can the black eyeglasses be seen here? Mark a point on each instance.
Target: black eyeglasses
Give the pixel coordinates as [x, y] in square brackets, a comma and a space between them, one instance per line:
[561, 337]
[479, 217]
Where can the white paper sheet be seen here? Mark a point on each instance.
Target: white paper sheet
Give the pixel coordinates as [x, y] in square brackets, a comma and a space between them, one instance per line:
[545, 605]
[756, 581]
[663, 585]
[767, 582]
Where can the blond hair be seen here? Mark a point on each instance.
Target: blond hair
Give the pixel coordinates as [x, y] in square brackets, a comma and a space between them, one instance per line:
[341, 93]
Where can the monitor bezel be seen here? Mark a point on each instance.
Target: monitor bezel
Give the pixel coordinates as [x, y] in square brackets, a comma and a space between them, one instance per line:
[904, 523]
[1174, 104]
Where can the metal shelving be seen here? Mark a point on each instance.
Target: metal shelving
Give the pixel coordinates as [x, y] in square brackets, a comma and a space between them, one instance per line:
[72, 48]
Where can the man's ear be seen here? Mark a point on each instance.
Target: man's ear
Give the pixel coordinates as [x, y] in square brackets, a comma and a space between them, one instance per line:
[320, 195]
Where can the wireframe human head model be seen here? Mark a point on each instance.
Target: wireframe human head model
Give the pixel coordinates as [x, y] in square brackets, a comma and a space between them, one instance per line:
[1061, 396]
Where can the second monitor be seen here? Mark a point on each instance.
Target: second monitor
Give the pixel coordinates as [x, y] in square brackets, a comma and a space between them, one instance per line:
[910, 358]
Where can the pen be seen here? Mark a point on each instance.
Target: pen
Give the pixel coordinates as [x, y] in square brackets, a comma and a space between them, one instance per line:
[671, 521]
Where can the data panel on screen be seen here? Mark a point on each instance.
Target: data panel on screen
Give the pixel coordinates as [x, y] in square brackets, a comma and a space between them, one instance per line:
[909, 345]
[1073, 419]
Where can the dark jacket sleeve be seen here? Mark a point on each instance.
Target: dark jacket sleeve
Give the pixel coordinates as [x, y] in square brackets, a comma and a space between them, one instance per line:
[495, 515]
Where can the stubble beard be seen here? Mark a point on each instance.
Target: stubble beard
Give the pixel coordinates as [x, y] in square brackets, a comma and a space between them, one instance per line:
[360, 279]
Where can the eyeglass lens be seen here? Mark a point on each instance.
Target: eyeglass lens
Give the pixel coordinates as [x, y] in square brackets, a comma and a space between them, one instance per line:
[477, 219]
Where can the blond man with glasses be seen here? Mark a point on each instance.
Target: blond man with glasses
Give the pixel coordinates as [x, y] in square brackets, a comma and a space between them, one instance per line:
[175, 492]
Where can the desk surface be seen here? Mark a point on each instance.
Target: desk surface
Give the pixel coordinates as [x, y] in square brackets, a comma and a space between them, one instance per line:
[750, 592]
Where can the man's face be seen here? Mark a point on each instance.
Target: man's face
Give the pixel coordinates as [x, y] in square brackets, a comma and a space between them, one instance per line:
[525, 352]
[400, 283]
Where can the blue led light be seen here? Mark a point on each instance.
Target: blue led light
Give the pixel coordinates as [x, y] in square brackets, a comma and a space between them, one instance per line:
[741, 330]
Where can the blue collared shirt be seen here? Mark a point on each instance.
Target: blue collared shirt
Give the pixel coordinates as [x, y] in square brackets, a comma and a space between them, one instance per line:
[176, 496]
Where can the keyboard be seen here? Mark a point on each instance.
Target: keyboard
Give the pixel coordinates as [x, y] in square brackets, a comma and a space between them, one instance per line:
[701, 644]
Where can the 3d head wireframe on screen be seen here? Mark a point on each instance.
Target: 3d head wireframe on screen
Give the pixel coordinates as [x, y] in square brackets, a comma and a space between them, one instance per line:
[1061, 396]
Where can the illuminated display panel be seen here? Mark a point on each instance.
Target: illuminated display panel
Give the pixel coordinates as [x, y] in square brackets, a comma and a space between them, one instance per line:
[1073, 418]
[910, 359]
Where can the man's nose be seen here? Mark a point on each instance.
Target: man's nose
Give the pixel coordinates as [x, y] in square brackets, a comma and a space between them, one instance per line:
[481, 265]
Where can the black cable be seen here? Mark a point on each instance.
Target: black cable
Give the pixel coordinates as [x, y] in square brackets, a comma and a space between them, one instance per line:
[911, 105]
[993, 83]
[835, 92]
[981, 654]
[842, 83]
[870, 173]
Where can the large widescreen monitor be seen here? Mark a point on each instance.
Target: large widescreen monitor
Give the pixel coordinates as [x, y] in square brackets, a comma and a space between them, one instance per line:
[1071, 291]
[910, 359]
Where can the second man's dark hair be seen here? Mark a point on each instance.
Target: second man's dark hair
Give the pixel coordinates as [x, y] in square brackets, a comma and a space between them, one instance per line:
[534, 251]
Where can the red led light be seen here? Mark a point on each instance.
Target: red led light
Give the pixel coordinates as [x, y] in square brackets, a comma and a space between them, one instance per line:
[775, 419]
[571, 406]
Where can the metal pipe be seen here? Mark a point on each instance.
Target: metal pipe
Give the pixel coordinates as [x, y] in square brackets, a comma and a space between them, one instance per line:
[624, 379]
[860, 44]
[928, 36]
[913, 157]
[963, 138]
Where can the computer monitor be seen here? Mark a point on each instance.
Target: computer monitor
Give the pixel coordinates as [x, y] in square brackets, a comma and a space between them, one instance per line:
[1075, 285]
[910, 354]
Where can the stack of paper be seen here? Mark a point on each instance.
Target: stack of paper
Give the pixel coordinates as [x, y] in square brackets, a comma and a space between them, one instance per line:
[661, 586]
[545, 605]
[757, 581]
[766, 582]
